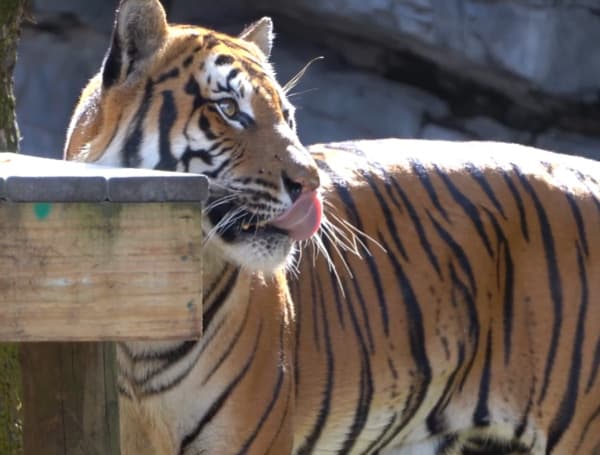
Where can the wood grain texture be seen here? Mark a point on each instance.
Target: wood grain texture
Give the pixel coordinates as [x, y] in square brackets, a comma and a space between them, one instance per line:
[100, 271]
[70, 402]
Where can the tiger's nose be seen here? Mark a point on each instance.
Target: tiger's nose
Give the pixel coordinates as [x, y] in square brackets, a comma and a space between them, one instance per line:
[301, 182]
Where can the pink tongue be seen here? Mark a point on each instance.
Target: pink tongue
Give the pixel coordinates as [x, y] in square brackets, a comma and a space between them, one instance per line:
[303, 218]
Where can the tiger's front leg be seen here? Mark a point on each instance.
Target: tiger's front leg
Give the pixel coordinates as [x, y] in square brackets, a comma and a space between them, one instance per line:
[252, 426]
[229, 392]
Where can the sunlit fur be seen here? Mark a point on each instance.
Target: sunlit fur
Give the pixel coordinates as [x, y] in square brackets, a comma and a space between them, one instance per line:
[448, 305]
[470, 323]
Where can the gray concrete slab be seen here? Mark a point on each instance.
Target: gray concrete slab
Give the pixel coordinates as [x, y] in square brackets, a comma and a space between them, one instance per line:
[31, 179]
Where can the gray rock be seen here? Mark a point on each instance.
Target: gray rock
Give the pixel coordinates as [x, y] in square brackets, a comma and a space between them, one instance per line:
[356, 104]
[489, 129]
[98, 14]
[50, 73]
[538, 42]
[569, 143]
[442, 133]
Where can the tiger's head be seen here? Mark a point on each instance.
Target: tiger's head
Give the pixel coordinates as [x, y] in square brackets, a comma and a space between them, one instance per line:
[186, 98]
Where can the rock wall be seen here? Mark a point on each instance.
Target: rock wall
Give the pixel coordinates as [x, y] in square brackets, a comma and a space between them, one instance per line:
[517, 70]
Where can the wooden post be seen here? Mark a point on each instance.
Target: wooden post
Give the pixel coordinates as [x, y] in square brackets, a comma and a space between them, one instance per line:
[70, 399]
[95, 254]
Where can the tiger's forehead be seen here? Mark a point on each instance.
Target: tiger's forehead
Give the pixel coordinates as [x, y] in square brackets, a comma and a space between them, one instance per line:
[222, 65]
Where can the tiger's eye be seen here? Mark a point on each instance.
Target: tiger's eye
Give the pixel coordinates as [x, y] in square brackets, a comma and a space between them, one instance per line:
[229, 107]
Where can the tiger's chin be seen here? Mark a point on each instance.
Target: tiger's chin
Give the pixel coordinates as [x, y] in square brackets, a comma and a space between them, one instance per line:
[265, 250]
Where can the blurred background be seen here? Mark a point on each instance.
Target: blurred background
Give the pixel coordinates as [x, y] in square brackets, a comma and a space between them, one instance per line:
[524, 71]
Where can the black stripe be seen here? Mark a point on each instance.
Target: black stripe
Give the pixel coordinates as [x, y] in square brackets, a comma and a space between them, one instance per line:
[566, 410]
[580, 223]
[370, 450]
[166, 120]
[414, 217]
[387, 213]
[481, 180]
[481, 416]
[277, 390]
[170, 356]
[232, 74]
[458, 252]
[334, 284]
[113, 62]
[365, 386]
[216, 173]
[227, 352]
[193, 88]
[315, 311]
[221, 399]
[287, 408]
[211, 288]
[509, 286]
[204, 125]
[219, 300]
[468, 207]
[131, 149]
[595, 368]
[436, 424]
[206, 341]
[448, 444]
[522, 426]
[586, 427]
[171, 74]
[352, 212]
[416, 339]
[553, 278]
[425, 180]
[206, 155]
[188, 61]
[459, 286]
[519, 202]
[173, 357]
[363, 305]
[311, 440]
[223, 59]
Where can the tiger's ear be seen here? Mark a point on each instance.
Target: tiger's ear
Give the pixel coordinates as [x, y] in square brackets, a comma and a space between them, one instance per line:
[261, 34]
[140, 30]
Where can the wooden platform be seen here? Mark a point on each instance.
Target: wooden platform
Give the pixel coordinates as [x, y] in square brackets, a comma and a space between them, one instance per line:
[90, 253]
[95, 253]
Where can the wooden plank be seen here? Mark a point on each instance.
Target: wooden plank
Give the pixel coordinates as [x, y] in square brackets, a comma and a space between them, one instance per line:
[100, 271]
[70, 399]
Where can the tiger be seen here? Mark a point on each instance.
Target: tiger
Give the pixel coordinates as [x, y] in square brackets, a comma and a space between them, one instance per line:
[383, 297]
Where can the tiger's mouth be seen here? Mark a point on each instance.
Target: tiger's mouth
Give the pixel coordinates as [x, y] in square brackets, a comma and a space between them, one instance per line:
[299, 222]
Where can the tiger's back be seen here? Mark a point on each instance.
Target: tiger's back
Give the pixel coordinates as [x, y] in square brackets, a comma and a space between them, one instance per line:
[473, 323]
